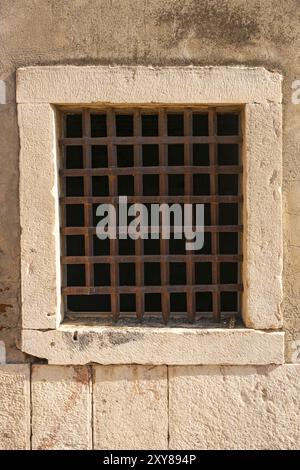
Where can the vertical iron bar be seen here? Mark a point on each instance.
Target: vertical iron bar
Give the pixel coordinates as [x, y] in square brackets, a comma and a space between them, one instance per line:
[113, 191]
[188, 191]
[88, 207]
[163, 191]
[138, 191]
[212, 124]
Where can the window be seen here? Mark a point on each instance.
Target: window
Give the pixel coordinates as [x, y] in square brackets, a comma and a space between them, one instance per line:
[152, 155]
[195, 114]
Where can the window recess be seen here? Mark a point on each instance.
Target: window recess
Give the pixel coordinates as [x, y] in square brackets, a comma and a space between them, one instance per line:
[164, 155]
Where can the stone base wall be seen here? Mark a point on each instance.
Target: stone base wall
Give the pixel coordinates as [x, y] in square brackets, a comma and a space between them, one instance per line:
[149, 407]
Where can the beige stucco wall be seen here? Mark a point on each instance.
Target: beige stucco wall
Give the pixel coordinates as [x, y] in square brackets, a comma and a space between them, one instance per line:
[174, 32]
[265, 33]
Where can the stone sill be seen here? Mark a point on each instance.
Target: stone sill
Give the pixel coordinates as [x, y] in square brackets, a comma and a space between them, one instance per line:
[73, 344]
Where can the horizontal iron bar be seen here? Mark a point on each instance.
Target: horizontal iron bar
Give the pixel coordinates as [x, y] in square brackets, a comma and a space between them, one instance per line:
[207, 228]
[111, 259]
[131, 140]
[141, 170]
[148, 314]
[72, 290]
[152, 199]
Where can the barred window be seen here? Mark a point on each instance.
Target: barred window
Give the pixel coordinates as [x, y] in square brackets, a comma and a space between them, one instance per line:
[151, 155]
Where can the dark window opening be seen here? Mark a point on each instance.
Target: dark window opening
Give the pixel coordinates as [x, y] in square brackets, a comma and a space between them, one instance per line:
[150, 155]
[127, 274]
[98, 125]
[99, 156]
[201, 154]
[149, 125]
[102, 274]
[176, 155]
[153, 303]
[200, 124]
[175, 124]
[152, 274]
[227, 124]
[73, 125]
[196, 158]
[74, 156]
[124, 125]
[125, 155]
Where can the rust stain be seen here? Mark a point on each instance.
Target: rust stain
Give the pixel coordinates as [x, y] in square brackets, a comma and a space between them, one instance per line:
[81, 375]
[5, 289]
[49, 441]
[4, 307]
[143, 389]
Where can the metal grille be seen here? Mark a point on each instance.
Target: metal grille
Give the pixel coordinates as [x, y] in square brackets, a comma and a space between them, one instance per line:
[165, 155]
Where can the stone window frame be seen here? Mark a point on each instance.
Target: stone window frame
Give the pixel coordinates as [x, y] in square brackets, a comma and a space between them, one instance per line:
[39, 91]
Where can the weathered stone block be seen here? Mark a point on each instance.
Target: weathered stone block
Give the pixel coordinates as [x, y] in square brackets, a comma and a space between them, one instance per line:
[130, 407]
[61, 84]
[235, 407]
[156, 346]
[61, 407]
[15, 407]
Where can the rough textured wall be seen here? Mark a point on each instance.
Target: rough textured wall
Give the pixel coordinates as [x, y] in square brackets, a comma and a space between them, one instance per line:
[157, 32]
